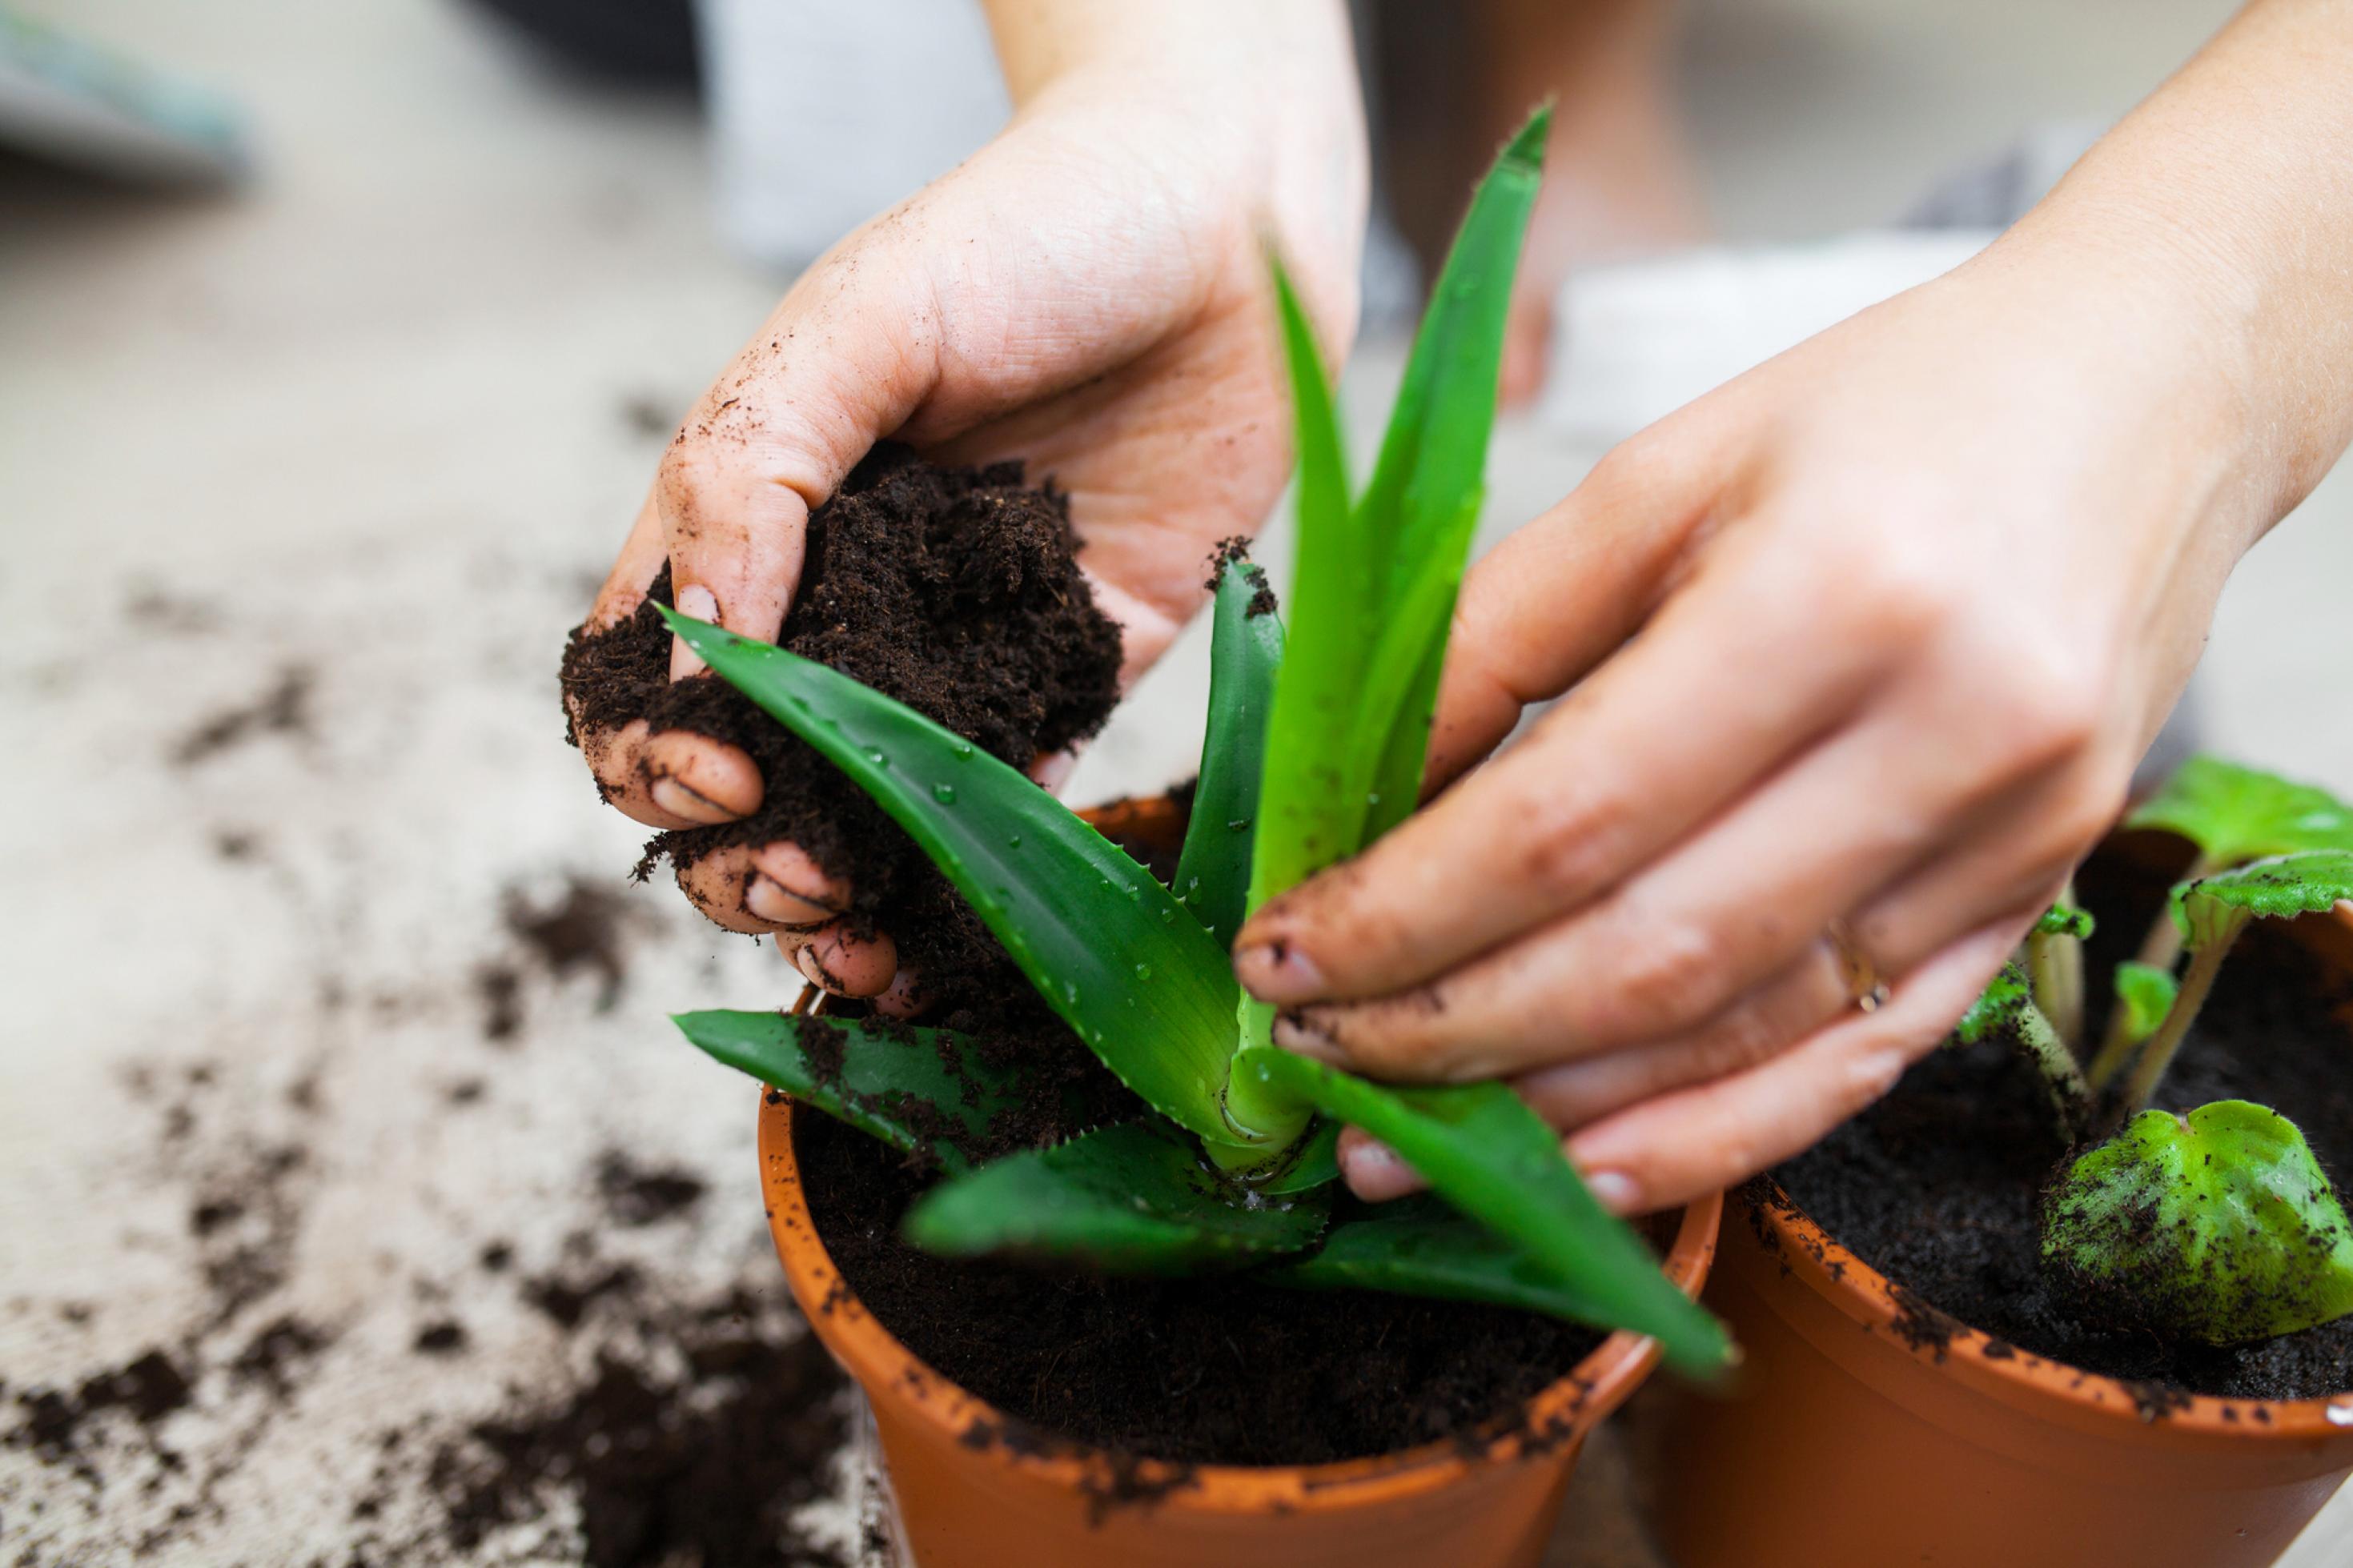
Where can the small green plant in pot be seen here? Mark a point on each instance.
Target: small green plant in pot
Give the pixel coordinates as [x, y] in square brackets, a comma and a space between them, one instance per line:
[1315, 747]
[2215, 1225]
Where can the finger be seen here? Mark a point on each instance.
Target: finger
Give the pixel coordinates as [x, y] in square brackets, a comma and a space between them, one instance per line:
[1375, 1172]
[1651, 744]
[901, 998]
[613, 760]
[846, 965]
[791, 889]
[714, 882]
[704, 781]
[1679, 1146]
[1752, 1029]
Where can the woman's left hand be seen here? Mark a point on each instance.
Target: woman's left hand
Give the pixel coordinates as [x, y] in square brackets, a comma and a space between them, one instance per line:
[1860, 652]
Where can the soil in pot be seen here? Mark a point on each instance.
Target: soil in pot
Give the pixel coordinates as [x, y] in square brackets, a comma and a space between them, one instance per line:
[1938, 1185]
[955, 591]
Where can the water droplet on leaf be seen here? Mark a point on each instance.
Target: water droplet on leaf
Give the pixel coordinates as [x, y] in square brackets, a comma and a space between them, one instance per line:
[944, 794]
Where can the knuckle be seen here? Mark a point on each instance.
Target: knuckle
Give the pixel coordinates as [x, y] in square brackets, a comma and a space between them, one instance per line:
[1659, 975]
[1897, 590]
[1574, 841]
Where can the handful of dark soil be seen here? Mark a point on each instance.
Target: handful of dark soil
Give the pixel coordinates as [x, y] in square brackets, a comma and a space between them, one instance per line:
[955, 591]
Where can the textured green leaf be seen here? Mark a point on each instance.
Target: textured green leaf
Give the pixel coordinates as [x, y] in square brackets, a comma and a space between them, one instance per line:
[1136, 1198]
[2065, 920]
[2236, 814]
[2144, 996]
[1245, 651]
[2005, 1009]
[1483, 1150]
[921, 1090]
[2217, 1226]
[1109, 948]
[1419, 1246]
[2216, 906]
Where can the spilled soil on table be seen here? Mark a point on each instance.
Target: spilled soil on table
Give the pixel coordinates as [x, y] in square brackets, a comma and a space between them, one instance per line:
[1939, 1185]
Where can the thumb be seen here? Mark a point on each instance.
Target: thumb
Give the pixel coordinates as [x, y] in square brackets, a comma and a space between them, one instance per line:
[847, 357]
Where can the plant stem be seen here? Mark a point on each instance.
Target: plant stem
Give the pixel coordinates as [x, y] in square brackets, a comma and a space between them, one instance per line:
[1270, 1120]
[2205, 963]
[2160, 949]
[2054, 963]
[2056, 1065]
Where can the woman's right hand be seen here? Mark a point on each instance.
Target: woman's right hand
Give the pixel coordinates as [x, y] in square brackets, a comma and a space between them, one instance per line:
[1088, 293]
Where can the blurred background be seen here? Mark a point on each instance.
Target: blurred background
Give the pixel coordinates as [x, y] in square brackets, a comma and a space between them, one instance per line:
[355, 1205]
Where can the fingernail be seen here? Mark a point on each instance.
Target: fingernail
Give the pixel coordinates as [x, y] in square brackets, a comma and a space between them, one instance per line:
[1298, 1032]
[699, 602]
[1377, 1173]
[672, 794]
[1616, 1191]
[772, 901]
[805, 959]
[1278, 972]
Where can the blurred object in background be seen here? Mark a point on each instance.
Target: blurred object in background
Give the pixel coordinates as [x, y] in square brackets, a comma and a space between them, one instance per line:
[823, 112]
[647, 42]
[89, 108]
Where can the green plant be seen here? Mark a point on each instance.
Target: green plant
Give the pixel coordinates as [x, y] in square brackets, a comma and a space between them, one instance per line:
[2216, 1224]
[1315, 747]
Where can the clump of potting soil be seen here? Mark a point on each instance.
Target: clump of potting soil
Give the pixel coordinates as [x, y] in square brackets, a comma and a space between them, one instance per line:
[955, 591]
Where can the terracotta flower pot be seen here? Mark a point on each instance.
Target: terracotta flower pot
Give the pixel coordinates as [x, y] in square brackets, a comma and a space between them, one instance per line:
[1871, 1430]
[972, 1497]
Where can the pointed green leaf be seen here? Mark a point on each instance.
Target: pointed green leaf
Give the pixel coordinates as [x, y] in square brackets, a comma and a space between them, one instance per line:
[1483, 1150]
[1109, 948]
[1419, 1246]
[2236, 814]
[1306, 819]
[924, 1091]
[1431, 476]
[1374, 595]
[2217, 1226]
[1245, 652]
[2215, 907]
[2144, 996]
[1136, 1198]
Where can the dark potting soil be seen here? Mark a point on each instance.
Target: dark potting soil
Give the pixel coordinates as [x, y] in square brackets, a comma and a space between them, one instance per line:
[1207, 1370]
[1938, 1186]
[955, 591]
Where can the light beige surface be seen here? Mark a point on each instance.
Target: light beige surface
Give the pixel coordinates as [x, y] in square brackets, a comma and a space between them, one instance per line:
[373, 418]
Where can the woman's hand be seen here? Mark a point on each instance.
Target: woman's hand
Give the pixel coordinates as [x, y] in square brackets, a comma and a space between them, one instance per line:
[1089, 293]
[1860, 653]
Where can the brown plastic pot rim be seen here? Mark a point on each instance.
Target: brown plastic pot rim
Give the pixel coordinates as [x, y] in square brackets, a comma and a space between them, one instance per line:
[2005, 1371]
[1560, 1413]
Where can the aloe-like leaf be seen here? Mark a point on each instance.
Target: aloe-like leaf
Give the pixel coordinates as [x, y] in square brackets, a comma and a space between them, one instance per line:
[1483, 1150]
[1374, 593]
[2236, 814]
[1109, 948]
[1307, 819]
[2217, 1226]
[1245, 651]
[2209, 913]
[1431, 477]
[1419, 1246]
[1312, 1161]
[1135, 1198]
[924, 1091]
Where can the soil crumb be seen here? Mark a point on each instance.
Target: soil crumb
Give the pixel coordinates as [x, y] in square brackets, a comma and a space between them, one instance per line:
[637, 1196]
[283, 710]
[581, 928]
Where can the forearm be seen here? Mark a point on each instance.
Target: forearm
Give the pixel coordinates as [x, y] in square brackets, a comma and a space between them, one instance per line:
[2220, 211]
